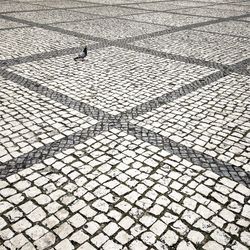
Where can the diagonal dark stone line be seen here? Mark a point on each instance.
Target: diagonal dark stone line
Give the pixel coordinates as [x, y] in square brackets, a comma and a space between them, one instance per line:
[56, 29]
[173, 11]
[172, 56]
[221, 168]
[122, 121]
[47, 55]
[119, 42]
[48, 150]
[217, 33]
[204, 4]
[168, 97]
[37, 155]
[84, 108]
[47, 8]
[182, 91]
[181, 28]
[13, 28]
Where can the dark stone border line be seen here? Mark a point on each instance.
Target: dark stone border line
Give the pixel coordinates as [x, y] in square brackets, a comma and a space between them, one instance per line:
[175, 57]
[48, 55]
[56, 29]
[49, 150]
[123, 5]
[135, 38]
[96, 4]
[129, 6]
[177, 29]
[75, 9]
[123, 17]
[223, 34]
[102, 17]
[105, 125]
[98, 114]
[169, 97]
[180, 92]
[13, 28]
[180, 7]
[122, 42]
[239, 68]
[210, 163]
[174, 12]
[23, 11]
[243, 21]
[209, 4]
[121, 122]
[84, 108]
[119, 17]
[47, 8]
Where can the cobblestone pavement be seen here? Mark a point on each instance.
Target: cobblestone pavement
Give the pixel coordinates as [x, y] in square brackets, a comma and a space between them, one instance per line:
[143, 145]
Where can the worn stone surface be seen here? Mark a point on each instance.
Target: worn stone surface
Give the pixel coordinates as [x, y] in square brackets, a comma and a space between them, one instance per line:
[113, 193]
[144, 144]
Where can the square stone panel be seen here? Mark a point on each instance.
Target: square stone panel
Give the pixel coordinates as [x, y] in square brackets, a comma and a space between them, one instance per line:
[9, 6]
[168, 19]
[214, 120]
[29, 121]
[111, 11]
[115, 191]
[20, 43]
[111, 28]
[52, 16]
[112, 79]
[235, 28]
[6, 24]
[201, 45]
[209, 12]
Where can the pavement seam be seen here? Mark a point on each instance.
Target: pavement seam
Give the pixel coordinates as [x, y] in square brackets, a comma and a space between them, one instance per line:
[107, 121]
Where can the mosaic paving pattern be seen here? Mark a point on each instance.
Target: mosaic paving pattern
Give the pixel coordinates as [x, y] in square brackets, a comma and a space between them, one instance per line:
[168, 19]
[106, 193]
[144, 144]
[5, 24]
[18, 42]
[209, 12]
[63, 3]
[206, 46]
[234, 7]
[214, 120]
[8, 6]
[230, 28]
[29, 121]
[111, 11]
[118, 81]
[120, 28]
[173, 5]
[52, 16]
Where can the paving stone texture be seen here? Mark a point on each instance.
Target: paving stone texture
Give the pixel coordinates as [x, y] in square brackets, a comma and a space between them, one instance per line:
[143, 145]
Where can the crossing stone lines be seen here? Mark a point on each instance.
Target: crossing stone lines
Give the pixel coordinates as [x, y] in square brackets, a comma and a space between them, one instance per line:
[121, 122]
[107, 121]
[119, 42]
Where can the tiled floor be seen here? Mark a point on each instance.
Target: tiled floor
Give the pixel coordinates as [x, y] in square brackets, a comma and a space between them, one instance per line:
[143, 145]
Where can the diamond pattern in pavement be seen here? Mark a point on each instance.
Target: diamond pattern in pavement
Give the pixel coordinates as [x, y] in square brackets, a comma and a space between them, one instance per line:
[143, 145]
